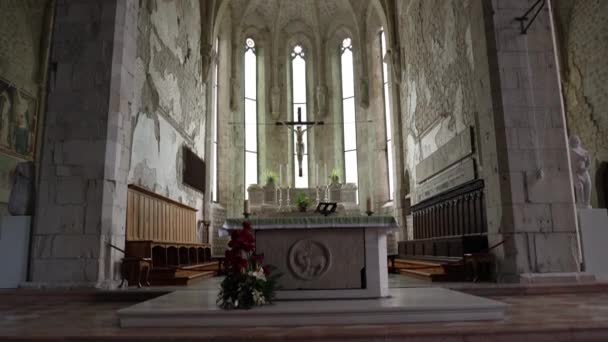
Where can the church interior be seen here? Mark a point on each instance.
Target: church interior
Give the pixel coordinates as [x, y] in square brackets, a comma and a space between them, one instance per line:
[370, 169]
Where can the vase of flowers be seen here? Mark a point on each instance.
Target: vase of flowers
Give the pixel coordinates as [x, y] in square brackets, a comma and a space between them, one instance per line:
[334, 177]
[271, 178]
[248, 283]
[302, 201]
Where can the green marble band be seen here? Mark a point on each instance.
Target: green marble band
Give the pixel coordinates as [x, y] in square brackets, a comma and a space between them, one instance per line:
[313, 222]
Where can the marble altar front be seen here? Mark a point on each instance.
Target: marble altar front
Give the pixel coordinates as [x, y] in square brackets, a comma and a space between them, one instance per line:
[325, 257]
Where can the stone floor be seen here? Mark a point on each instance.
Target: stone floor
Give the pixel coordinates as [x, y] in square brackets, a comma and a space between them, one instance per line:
[548, 315]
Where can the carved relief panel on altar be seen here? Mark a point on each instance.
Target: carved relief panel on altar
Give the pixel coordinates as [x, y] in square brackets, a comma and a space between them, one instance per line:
[314, 259]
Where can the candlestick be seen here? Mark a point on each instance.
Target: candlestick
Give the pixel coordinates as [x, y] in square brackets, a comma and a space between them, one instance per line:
[325, 176]
[317, 173]
[369, 206]
[280, 174]
[246, 209]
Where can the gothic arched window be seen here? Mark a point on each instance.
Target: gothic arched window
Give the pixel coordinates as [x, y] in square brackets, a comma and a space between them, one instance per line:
[214, 110]
[387, 117]
[298, 77]
[251, 122]
[351, 173]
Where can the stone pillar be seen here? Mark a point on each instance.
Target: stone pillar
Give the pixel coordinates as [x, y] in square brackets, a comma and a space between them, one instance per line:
[535, 214]
[81, 202]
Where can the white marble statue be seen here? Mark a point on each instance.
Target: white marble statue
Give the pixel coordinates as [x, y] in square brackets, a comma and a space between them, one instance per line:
[580, 163]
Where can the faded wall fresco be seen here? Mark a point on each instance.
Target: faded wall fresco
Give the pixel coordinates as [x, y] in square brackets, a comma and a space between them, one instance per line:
[21, 72]
[168, 110]
[444, 87]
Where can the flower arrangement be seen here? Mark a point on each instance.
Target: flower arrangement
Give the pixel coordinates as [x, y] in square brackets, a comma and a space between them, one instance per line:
[247, 282]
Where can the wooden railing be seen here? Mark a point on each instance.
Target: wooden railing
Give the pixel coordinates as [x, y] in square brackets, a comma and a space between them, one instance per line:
[151, 217]
[458, 212]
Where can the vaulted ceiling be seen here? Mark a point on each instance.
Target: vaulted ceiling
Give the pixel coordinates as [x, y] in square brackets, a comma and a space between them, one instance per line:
[278, 14]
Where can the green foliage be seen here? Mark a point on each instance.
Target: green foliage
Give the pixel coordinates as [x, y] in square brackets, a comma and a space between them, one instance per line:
[335, 175]
[270, 177]
[302, 200]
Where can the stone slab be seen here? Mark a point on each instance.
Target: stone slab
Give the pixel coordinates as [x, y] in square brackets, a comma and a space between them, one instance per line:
[14, 242]
[593, 225]
[314, 259]
[462, 172]
[447, 155]
[404, 305]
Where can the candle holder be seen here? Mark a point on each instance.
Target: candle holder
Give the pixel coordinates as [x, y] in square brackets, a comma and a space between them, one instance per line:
[246, 215]
[318, 199]
[280, 198]
[369, 213]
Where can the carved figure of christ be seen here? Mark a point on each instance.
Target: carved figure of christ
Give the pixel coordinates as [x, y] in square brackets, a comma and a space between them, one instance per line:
[296, 127]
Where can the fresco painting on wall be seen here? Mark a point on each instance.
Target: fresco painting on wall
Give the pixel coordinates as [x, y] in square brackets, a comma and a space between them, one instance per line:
[18, 122]
[7, 167]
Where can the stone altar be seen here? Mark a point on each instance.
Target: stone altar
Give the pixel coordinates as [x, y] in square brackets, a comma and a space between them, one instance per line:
[325, 257]
[268, 200]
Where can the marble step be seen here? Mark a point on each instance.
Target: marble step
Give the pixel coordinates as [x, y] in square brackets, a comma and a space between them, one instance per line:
[404, 305]
[430, 270]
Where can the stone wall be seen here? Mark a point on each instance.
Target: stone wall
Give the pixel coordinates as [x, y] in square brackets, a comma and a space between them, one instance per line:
[536, 210]
[466, 63]
[168, 110]
[583, 28]
[81, 201]
[23, 57]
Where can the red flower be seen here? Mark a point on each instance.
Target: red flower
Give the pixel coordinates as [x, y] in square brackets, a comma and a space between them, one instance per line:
[266, 270]
[246, 225]
[257, 258]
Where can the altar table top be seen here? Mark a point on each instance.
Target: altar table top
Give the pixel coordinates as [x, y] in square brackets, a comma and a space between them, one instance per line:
[312, 222]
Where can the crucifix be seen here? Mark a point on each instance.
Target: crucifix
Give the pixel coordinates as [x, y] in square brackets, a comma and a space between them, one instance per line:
[296, 127]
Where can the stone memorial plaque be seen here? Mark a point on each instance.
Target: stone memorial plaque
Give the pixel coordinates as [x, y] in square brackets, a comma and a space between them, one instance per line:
[456, 175]
[458, 148]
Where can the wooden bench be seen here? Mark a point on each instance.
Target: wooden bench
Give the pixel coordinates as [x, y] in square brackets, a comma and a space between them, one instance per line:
[164, 232]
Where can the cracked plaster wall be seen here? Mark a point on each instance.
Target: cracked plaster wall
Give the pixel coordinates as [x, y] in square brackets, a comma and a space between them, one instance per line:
[583, 27]
[168, 110]
[444, 84]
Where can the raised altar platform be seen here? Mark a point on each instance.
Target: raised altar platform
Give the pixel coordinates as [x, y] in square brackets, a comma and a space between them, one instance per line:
[405, 305]
[334, 257]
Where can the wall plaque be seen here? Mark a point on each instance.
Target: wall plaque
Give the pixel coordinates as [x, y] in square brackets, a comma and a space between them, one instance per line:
[456, 149]
[462, 172]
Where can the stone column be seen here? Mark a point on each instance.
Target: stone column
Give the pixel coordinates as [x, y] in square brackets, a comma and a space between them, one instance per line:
[535, 214]
[81, 203]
